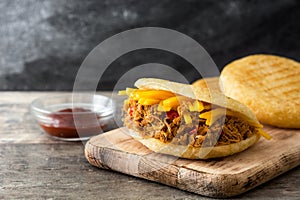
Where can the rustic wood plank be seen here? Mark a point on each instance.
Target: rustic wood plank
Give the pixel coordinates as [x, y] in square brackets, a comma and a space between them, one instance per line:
[222, 177]
[34, 166]
[60, 171]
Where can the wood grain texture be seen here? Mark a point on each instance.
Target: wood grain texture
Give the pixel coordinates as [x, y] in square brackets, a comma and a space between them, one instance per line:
[34, 166]
[223, 177]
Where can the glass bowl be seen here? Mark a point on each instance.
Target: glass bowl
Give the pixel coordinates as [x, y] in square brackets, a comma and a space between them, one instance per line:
[74, 117]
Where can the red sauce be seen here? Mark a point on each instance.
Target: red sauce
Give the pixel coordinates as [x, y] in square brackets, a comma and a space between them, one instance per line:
[131, 111]
[62, 123]
[172, 114]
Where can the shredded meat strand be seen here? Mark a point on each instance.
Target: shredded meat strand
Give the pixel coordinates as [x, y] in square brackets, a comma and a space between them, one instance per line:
[151, 123]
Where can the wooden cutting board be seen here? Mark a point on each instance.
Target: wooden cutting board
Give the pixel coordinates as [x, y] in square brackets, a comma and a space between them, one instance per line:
[225, 177]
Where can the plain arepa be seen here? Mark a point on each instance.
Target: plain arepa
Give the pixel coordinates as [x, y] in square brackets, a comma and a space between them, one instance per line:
[269, 85]
[211, 83]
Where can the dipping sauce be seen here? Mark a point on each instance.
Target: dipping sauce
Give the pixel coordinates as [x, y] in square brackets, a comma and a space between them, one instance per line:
[73, 123]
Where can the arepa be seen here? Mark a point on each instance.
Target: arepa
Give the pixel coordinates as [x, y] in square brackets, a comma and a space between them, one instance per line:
[212, 83]
[186, 121]
[267, 84]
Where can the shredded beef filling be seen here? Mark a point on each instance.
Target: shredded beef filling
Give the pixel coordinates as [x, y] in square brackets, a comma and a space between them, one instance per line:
[170, 127]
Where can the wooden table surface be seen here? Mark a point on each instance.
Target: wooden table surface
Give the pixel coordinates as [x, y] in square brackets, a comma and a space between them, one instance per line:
[34, 166]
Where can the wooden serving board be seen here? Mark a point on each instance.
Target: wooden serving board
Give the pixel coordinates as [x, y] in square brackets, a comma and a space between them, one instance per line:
[224, 177]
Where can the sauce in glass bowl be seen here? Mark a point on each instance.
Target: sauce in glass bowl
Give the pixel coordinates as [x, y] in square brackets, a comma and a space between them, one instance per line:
[63, 119]
[63, 125]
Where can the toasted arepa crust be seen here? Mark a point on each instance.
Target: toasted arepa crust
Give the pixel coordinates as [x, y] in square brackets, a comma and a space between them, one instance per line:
[212, 83]
[269, 85]
[201, 94]
[195, 152]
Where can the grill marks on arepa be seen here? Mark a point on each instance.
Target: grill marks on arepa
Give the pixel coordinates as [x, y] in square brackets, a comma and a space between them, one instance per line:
[269, 85]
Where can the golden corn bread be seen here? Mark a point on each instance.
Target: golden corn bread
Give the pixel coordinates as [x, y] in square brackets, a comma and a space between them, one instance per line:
[211, 83]
[269, 85]
[186, 121]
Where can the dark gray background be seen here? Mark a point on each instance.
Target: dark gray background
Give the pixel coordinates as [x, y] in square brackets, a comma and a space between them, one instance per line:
[43, 42]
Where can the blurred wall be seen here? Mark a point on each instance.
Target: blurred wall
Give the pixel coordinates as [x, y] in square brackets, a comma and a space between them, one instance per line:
[43, 42]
